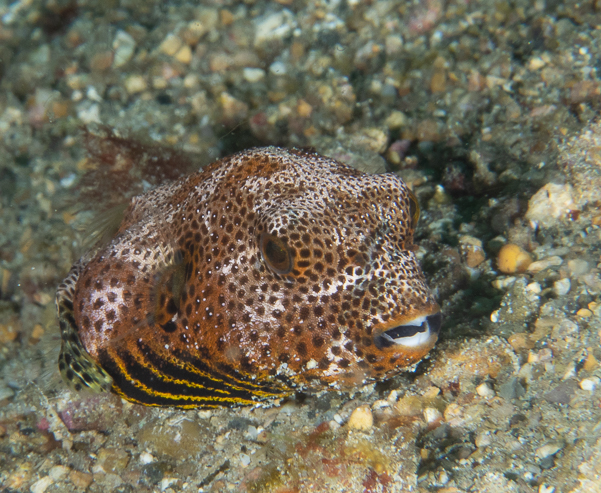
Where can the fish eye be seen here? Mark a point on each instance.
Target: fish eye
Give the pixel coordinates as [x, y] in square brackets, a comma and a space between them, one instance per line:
[413, 209]
[276, 254]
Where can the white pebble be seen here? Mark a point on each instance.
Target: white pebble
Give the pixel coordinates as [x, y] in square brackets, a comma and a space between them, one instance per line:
[272, 27]
[432, 415]
[68, 180]
[251, 433]
[570, 372]
[534, 287]
[543, 264]
[543, 488]
[549, 205]
[125, 46]
[244, 460]
[483, 439]
[589, 383]
[58, 472]
[89, 114]
[548, 450]
[277, 68]
[253, 74]
[561, 287]
[504, 283]
[41, 485]
[485, 390]
[92, 94]
[443, 477]
[380, 404]
[166, 482]
[578, 266]
[146, 458]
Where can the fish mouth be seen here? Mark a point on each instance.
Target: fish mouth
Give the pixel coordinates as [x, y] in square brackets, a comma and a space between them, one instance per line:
[414, 334]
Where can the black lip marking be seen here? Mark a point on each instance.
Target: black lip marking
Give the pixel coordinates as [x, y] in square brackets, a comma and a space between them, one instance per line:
[386, 339]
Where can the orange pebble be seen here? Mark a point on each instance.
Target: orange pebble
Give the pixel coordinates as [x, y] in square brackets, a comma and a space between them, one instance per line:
[512, 259]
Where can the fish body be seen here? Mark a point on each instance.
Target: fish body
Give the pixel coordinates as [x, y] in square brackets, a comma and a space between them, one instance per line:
[267, 272]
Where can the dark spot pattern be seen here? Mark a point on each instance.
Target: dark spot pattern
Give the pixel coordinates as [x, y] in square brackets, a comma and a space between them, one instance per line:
[267, 272]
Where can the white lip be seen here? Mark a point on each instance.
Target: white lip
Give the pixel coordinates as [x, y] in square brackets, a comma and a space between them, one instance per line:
[416, 340]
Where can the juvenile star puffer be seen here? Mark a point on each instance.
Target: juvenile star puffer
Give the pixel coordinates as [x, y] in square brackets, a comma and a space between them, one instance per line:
[267, 272]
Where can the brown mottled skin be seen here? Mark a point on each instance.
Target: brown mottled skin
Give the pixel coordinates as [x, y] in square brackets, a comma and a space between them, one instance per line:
[189, 275]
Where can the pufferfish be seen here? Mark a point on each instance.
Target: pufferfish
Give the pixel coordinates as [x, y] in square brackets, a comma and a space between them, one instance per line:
[266, 273]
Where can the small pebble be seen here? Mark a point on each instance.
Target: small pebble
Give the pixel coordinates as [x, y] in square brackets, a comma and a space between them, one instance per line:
[472, 251]
[512, 389]
[432, 415]
[166, 483]
[184, 54]
[304, 109]
[570, 372]
[561, 393]
[89, 114]
[80, 479]
[244, 460]
[393, 44]
[170, 45]
[431, 392]
[380, 404]
[125, 46]
[273, 27]
[543, 264]
[584, 313]
[520, 341]
[561, 287]
[578, 267]
[278, 68]
[504, 283]
[548, 450]
[589, 383]
[41, 485]
[146, 458]
[590, 363]
[253, 74]
[361, 419]
[396, 119]
[542, 355]
[512, 259]
[485, 390]
[135, 84]
[5, 392]
[550, 204]
[536, 63]
[58, 472]
[543, 488]
[483, 439]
